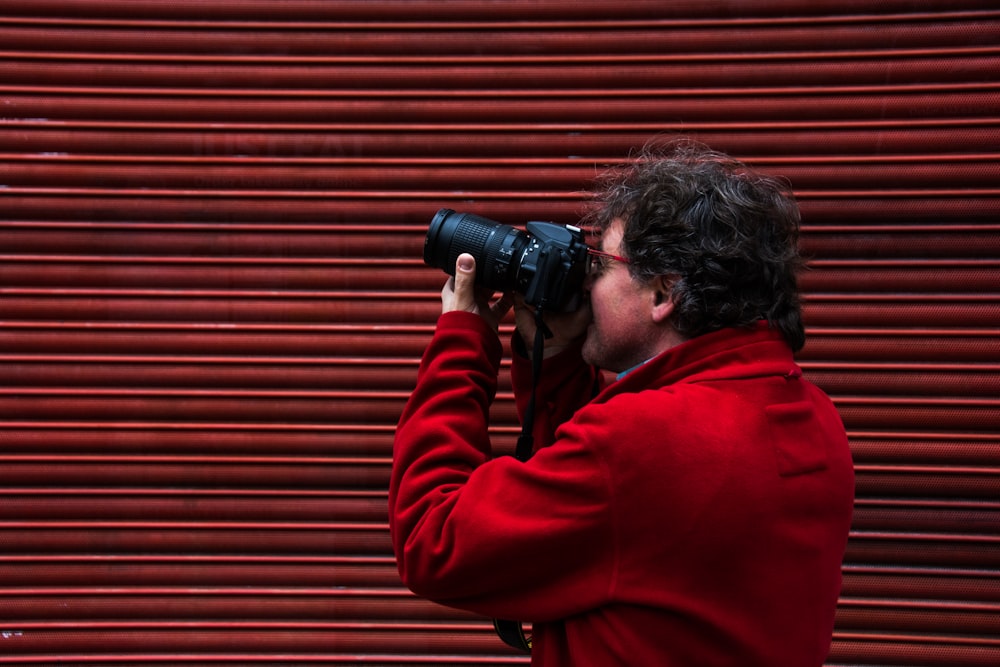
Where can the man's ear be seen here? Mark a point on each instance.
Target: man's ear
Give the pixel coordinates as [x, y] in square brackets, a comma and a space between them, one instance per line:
[662, 295]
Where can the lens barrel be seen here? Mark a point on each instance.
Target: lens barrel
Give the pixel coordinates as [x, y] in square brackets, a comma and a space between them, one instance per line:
[496, 247]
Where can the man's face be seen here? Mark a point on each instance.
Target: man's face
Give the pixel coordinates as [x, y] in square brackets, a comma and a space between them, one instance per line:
[622, 333]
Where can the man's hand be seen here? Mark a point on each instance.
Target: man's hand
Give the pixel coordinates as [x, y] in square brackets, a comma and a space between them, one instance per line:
[566, 328]
[462, 293]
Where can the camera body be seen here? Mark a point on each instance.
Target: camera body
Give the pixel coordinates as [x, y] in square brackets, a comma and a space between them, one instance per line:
[547, 265]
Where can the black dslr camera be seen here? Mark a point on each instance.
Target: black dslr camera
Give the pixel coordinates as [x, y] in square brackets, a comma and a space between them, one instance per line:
[547, 265]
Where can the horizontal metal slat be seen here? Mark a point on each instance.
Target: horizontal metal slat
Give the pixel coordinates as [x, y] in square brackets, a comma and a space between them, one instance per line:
[221, 240]
[330, 308]
[281, 342]
[908, 380]
[201, 399]
[866, 345]
[958, 414]
[357, 275]
[98, 585]
[922, 312]
[917, 617]
[417, 208]
[929, 515]
[306, 174]
[929, 242]
[603, 139]
[294, 175]
[924, 276]
[149, 538]
[931, 448]
[177, 504]
[975, 483]
[765, 12]
[531, 27]
[159, 606]
[312, 374]
[865, 648]
[719, 105]
[195, 474]
[141, 641]
[915, 550]
[245, 440]
[329, 208]
[835, 68]
[903, 583]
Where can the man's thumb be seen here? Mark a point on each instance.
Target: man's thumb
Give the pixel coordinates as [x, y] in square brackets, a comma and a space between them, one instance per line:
[465, 282]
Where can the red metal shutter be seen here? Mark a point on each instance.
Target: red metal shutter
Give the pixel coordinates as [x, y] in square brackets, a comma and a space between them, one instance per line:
[212, 302]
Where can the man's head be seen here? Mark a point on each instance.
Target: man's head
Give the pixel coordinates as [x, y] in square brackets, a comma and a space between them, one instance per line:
[722, 236]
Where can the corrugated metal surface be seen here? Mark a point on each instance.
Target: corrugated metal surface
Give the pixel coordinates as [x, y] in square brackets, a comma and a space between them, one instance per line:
[212, 301]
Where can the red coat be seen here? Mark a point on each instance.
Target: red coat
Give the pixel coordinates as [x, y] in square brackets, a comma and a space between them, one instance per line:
[694, 513]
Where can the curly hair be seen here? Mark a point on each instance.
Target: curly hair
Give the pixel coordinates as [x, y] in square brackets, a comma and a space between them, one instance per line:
[726, 236]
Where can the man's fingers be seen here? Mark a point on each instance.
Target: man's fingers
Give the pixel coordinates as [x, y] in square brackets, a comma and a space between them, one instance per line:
[502, 306]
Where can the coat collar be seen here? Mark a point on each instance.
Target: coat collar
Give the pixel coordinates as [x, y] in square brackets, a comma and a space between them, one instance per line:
[725, 354]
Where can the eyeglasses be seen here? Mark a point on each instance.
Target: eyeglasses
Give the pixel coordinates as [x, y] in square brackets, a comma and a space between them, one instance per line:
[599, 260]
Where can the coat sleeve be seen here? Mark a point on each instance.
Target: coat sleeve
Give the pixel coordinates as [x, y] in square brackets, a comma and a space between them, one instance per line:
[531, 541]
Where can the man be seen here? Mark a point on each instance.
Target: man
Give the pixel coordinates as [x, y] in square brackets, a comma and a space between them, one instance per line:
[695, 511]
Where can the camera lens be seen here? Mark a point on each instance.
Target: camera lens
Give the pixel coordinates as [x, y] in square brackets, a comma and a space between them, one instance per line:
[496, 247]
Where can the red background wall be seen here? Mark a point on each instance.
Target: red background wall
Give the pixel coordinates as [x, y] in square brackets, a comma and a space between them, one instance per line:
[212, 300]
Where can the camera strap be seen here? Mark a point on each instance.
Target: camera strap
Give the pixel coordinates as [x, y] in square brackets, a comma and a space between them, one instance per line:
[526, 441]
[512, 632]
